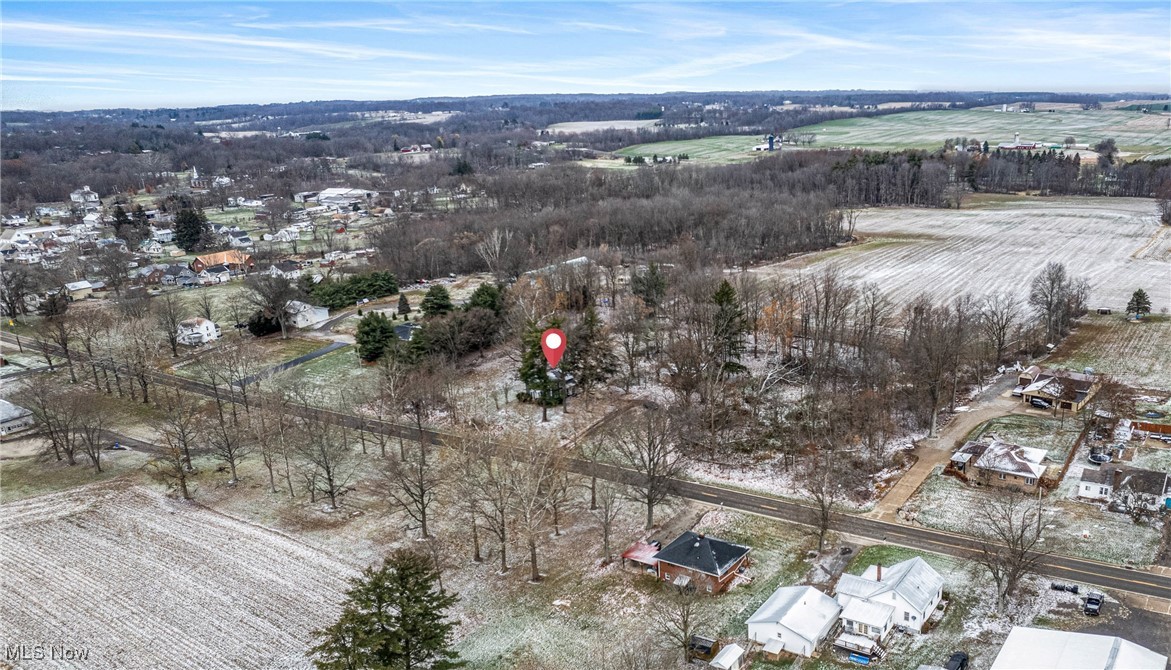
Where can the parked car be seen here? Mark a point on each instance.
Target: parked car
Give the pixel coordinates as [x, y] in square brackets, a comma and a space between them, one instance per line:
[958, 661]
[1037, 402]
[1100, 458]
[1093, 605]
[1018, 391]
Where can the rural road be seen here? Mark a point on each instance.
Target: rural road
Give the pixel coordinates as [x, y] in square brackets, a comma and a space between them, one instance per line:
[1155, 586]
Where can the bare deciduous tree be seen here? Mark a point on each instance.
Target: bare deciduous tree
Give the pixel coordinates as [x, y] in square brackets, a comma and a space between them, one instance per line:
[681, 614]
[646, 444]
[1010, 543]
[609, 504]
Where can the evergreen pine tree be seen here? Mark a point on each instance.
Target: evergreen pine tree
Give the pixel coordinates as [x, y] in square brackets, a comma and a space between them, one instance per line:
[404, 305]
[590, 355]
[1140, 303]
[121, 218]
[488, 296]
[728, 329]
[651, 286]
[534, 369]
[393, 617]
[374, 335]
[437, 301]
[190, 229]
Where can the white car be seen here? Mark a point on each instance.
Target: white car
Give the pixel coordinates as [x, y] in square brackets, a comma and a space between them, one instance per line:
[1018, 391]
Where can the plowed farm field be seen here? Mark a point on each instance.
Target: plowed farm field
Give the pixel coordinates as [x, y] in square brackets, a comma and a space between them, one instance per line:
[998, 245]
[137, 580]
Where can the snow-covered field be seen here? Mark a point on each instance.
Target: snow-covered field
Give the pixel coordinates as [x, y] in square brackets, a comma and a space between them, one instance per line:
[143, 581]
[1138, 354]
[1000, 245]
[1075, 528]
[589, 126]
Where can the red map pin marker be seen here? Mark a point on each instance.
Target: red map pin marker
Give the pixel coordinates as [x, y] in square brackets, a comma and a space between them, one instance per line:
[553, 344]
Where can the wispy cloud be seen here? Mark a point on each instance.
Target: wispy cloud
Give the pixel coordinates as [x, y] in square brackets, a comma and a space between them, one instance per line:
[606, 27]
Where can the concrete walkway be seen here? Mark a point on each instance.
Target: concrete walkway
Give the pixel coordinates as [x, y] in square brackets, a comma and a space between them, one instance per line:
[996, 401]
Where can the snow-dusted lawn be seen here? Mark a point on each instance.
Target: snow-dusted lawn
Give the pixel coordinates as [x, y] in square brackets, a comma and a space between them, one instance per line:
[1040, 432]
[146, 582]
[999, 246]
[1074, 528]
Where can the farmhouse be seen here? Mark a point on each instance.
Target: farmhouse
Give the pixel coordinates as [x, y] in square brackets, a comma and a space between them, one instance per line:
[911, 588]
[234, 260]
[303, 315]
[1060, 389]
[1037, 649]
[13, 417]
[85, 198]
[1127, 487]
[197, 331]
[794, 619]
[699, 562]
[996, 463]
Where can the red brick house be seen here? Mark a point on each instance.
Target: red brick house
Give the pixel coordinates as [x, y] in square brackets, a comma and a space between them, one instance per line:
[706, 564]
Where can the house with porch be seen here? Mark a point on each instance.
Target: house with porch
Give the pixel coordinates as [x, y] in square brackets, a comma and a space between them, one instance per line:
[215, 274]
[696, 561]
[995, 463]
[911, 588]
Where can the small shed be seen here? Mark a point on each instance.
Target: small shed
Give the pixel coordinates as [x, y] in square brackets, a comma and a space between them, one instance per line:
[730, 657]
[642, 554]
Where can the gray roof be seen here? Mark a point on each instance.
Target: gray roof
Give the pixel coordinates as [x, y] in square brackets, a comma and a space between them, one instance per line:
[10, 412]
[802, 609]
[913, 579]
[1150, 482]
[701, 553]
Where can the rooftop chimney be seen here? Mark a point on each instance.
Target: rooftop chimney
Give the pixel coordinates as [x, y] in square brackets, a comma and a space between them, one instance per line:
[880, 572]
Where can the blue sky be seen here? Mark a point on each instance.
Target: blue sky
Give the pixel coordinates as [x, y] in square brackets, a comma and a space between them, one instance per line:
[59, 55]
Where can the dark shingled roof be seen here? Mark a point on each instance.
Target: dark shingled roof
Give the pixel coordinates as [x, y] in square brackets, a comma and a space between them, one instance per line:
[701, 553]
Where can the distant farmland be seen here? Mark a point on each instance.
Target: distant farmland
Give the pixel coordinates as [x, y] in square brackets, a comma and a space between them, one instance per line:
[1135, 132]
[718, 149]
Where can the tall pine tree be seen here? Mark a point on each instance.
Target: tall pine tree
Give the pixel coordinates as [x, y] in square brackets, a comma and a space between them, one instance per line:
[404, 305]
[534, 369]
[392, 617]
[375, 333]
[1140, 303]
[591, 358]
[728, 329]
[437, 301]
[190, 229]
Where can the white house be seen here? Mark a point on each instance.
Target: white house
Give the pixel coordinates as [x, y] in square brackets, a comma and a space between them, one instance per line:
[1126, 487]
[216, 274]
[913, 588]
[162, 235]
[302, 315]
[730, 657]
[1038, 649]
[85, 198]
[151, 248]
[290, 270]
[13, 417]
[92, 219]
[197, 331]
[239, 240]
[794, 619]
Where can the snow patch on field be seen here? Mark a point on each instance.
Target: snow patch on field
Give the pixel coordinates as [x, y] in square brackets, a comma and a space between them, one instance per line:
[145, 581]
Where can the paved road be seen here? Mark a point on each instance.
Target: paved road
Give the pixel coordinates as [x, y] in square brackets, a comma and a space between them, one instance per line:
[1056, 566]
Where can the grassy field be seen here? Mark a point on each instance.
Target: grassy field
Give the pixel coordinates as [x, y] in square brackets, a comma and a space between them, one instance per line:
[1138, 354]
[1040, 432]
[1134, 132]
[718, 149]
[1000, 244]
[331, 379]
[588, 126]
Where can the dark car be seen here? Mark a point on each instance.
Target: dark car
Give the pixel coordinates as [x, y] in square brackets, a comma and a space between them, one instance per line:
[1093, 606]
[1037, 402]
[958, 661]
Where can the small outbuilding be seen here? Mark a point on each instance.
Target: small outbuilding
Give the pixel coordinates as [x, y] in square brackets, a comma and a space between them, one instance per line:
[14, 417]
[730, 657]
